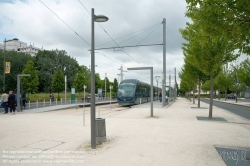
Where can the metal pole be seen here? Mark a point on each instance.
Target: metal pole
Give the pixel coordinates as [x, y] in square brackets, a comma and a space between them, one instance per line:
[110, 95]
[169, 88]
[18, 93]
[65, 79]
[4, 65]
[84, 94]
[84, 115]
[18, 89]
[99, 112]
[152, 95]
[105, 86]
[93, 138]
[164, 64]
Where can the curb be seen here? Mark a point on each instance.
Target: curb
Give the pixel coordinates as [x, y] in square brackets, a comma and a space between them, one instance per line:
[228, 103]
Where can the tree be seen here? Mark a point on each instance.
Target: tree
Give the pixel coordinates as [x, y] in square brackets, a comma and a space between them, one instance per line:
[17, 61]
[115, 87]
[48, 61]
[58, 82]
[30, 83]
[209, 53]
[223, 80]
[225, 18]
[79, 82]
[243, 73]
[205, 86]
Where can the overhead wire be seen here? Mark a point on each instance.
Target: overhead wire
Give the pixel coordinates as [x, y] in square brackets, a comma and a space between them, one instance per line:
[64, 22]
[146, 29]
[147, 35]
[111, 37]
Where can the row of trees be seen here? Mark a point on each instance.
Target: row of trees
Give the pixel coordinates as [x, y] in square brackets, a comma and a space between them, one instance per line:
[47, 70]
[219, 32]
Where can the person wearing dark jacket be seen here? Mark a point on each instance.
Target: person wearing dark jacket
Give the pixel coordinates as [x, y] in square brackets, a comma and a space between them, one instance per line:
[12, 102]
[23, 99]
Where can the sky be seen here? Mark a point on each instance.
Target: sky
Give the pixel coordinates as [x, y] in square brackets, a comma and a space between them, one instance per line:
[137, 22]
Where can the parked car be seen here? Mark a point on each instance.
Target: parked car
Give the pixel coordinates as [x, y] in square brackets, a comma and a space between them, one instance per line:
[89, 97]
[231, 96]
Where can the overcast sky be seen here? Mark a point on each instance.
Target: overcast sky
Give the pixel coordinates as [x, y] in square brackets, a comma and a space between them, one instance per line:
[31, 21]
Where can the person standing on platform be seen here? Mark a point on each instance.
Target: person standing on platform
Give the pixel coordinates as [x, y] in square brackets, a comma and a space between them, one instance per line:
[160, 96]
[4, 99]
[12, 102]
[23, 99]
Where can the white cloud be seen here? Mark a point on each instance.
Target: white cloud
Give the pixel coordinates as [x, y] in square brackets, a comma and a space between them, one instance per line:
[31, 21]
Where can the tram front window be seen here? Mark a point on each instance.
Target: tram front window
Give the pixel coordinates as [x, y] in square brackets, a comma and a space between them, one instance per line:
[126, 90]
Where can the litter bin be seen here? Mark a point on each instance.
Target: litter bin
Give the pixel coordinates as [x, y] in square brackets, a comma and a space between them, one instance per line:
[100, 130]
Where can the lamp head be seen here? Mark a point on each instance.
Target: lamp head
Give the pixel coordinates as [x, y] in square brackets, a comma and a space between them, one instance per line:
[101, 18]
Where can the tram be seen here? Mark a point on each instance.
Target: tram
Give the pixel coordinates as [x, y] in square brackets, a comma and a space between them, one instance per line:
[133, 91]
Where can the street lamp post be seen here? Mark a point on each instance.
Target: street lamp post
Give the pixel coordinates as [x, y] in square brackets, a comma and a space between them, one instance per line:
[94, 18]
[18, 90]
[105, 86]
[4, 65]
[157, 79]
[65, 88]
[110, 87]
[84, 87]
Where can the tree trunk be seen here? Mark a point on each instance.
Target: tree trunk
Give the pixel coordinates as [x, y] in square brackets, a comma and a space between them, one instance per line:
[199, 93]
[236, 95]
[189, 96]
[219, 93]
[211, 97]
[193, 96]
[226, 94]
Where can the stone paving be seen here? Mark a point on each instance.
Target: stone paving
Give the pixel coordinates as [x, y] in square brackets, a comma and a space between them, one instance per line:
[173, 136]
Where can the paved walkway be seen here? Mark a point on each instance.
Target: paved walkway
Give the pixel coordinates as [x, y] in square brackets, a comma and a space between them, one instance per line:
[172, 137]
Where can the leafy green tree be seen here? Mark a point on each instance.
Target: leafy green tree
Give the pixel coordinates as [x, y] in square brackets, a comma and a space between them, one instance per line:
[30, 83]
[115, 88]
[213, 53]
[18, 62]
[98, 82]
[224, 18]
[58, 82]
[48, 61]
[243, 73]
[224, 80]
[79, 82]
[186, 85]
[205, 86]
[196, 76]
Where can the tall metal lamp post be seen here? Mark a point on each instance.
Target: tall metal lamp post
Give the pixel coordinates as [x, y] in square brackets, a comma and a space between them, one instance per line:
[94, 18]
[157, 80]
[110, 87]
[84, 87]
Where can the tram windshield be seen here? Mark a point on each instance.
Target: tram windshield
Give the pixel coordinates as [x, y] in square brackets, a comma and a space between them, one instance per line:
[126, 89]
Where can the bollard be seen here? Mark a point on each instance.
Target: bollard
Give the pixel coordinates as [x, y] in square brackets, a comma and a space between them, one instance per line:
[99, 112]
[50, 102]
[44, 103]
[56, 101]
[61, 101]
[76, 100]
[140, 101]
[29, 105]
[83, 115]
[37, 104]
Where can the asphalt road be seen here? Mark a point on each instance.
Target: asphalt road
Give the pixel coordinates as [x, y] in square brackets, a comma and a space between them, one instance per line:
[236, 109]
